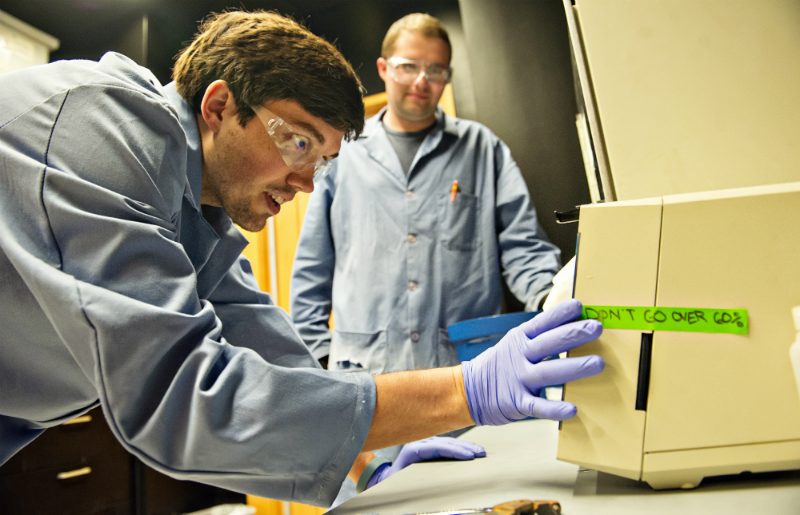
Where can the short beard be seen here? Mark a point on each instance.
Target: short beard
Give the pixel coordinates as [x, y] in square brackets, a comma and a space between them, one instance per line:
[239, 209]
[240, 213]
[413, 116]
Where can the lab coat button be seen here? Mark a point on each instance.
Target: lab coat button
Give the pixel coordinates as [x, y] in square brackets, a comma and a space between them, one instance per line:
[412, 238]
[412, 285]
[410, 194]
[414, 336]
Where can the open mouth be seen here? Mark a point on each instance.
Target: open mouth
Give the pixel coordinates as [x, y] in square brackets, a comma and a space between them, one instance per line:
[274, 201]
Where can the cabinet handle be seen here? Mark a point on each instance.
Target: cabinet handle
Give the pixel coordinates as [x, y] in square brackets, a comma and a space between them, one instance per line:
[78, 420]
[74, 473]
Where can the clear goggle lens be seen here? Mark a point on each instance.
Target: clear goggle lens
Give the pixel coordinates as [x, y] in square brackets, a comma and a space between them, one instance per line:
[299, 152]
[406, 71]
[322, 168]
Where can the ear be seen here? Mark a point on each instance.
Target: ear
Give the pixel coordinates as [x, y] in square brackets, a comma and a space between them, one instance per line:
[382, 69]
[217, 99]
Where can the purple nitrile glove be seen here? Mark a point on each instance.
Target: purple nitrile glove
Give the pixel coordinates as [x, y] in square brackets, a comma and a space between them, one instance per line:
[502, 382]
[428, 449]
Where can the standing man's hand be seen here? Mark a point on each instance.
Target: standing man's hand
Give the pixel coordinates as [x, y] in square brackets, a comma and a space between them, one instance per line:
[562, 286]
[501, 383]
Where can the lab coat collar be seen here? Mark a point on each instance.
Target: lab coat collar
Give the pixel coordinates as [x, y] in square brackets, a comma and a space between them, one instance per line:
[194, 155]
[379, 148]
[444, 123]
[444, 128]
[202, 228]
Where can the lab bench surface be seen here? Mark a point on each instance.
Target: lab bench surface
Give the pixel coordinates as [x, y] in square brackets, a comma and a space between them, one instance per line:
[521, 464]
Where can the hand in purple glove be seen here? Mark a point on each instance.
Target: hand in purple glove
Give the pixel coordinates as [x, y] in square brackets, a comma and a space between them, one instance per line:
[428, 449]
[501, 383]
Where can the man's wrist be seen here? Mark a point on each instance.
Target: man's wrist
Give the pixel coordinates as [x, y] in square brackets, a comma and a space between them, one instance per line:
[460, 387]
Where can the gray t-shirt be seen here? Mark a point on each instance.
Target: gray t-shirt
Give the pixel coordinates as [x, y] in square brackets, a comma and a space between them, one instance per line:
[406, 144]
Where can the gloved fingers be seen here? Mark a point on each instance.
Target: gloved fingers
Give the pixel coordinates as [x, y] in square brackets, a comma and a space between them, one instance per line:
[445, 440]
[462, 449]
[455, 450]
[446, 447]
[553, 410]
[562, 338]
[477, 450]
[430, 442]
[560, 314]
[560, 371]
[438, 447]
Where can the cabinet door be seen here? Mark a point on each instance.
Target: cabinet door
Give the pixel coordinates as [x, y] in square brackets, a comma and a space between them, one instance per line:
[617, 265]
[75, 468]
[695, 95]
[734, 249]
[102, 486]
[79, 468]
[83, 440]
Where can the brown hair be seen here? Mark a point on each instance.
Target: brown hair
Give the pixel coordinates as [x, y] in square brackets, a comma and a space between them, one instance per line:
[423, 24]
[265, 56]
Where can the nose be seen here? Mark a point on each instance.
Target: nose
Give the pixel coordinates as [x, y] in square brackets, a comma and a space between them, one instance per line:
[303, 181]
[422, 78]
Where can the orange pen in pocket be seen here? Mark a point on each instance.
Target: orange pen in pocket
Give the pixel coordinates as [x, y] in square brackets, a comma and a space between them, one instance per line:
[453, 191]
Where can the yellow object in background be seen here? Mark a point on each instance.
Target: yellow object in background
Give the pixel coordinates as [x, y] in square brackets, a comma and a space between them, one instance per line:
[374, 103]
[272, 507]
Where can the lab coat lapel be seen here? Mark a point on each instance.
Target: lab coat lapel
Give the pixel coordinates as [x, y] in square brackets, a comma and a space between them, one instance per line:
[200, 237]
[430, 142]
[231, 243]
[195, 234]
[379, 148]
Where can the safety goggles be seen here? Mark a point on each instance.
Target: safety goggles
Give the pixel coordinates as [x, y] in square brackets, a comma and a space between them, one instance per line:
[299, 152]
[406, 71]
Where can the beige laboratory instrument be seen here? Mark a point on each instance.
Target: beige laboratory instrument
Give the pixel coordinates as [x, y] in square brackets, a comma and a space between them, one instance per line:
[689, 126]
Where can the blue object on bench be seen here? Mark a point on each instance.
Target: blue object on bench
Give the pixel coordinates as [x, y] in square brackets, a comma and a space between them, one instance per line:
[471, 337]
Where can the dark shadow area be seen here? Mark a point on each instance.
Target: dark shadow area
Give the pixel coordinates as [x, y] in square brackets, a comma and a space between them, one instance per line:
[592, 482]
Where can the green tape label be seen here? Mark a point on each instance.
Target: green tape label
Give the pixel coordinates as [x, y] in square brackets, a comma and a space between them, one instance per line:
[648, 318]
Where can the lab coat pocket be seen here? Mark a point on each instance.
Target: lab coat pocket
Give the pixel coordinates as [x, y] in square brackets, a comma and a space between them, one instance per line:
[352, 351]
[459, 228]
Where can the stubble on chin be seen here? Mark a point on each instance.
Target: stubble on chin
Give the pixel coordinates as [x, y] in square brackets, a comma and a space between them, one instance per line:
[240, 210]
[412, 111]
[246, 219]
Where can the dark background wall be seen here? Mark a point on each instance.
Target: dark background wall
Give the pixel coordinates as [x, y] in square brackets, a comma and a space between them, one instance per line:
[511, 61]
[522, 79]
[89, 28]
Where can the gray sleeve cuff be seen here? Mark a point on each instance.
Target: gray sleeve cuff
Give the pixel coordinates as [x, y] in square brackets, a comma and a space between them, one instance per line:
[372, 466]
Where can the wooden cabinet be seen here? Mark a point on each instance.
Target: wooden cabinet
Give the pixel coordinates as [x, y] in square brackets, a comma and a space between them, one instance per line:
[79, 468]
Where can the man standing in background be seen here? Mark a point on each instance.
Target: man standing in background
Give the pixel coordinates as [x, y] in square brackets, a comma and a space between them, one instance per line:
[416, 225]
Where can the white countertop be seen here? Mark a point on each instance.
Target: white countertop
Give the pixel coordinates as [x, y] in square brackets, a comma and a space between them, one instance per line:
[521, 464]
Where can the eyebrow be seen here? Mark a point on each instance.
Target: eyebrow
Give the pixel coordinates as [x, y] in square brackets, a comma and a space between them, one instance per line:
[310, 128]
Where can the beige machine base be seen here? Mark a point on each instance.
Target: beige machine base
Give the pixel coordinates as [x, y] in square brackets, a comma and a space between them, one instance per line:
[686, 469]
